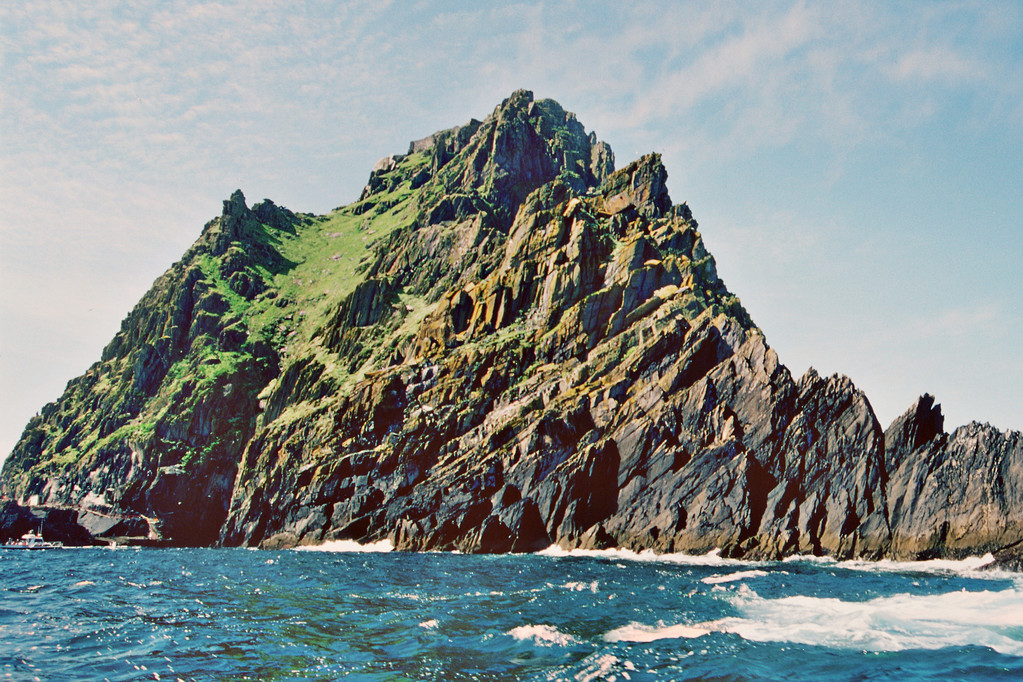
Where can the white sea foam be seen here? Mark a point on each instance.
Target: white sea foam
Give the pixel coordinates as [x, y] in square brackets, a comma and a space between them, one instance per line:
[603, 667]
[897, 622]
[429, 624]
[893, 623]
[543, 635]
[970, 566]
[576, 586]
[712, 558]
[811, 559]
[637, 632]
[732, 577]
[349, 546]
[965, 566]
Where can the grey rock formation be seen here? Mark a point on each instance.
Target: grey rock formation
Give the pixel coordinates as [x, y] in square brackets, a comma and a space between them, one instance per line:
[511, 345]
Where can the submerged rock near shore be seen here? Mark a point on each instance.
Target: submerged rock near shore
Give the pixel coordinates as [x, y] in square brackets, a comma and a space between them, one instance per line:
[504, 344]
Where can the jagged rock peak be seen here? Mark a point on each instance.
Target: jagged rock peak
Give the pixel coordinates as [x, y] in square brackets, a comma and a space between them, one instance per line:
[458, 135]
[578, 156]
[232, 222]
[919, 425]
[641, 185]
[491, 166]
[235, 205]
[239, 223]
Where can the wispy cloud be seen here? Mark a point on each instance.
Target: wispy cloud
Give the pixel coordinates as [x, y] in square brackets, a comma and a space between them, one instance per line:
[232, 75]
[937, 64]
[960, 321]
[125, 123]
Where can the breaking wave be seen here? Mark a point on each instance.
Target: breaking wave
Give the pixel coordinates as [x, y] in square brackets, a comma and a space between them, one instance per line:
[971, 565]
[543, 635]
[712, 558]
[992, 619]
[732, 577]
[348, 546]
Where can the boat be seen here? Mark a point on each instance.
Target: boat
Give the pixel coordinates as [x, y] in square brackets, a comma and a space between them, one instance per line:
[31, 541]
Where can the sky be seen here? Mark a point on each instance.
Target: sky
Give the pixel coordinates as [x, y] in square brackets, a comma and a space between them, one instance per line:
[856, 168]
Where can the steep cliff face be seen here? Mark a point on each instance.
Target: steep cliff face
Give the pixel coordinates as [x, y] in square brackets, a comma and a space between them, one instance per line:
[157, 426]
[504, 344]
[958, 494]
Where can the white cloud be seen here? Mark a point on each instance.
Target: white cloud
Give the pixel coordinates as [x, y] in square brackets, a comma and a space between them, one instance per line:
[937, 63]
[960, 321]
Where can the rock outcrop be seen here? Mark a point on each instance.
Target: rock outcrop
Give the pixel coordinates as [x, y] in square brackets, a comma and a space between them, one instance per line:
[158, 424]
[53, 525]
[504, 344]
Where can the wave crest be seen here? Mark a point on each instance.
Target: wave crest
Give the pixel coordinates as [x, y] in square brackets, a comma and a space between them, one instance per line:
[348, 546]
[543, 635]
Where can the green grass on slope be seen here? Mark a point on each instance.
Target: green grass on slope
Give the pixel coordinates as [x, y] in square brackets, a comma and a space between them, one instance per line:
[326, 251]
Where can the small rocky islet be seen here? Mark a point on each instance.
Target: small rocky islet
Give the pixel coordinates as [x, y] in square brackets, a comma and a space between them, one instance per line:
[504, 344]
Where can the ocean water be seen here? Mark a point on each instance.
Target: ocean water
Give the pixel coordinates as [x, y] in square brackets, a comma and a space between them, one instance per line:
[144, 614]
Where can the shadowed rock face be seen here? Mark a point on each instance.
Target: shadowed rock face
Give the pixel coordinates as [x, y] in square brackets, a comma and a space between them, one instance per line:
[533, 349]
[959, 494]
[157, 426]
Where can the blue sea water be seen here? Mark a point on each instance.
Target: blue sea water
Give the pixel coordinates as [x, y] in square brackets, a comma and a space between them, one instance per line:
[144, 614]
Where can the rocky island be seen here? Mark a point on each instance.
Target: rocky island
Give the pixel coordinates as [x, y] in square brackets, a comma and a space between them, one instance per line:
[504, 344]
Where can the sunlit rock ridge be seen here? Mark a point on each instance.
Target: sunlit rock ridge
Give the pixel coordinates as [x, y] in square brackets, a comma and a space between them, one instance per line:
[504, 344]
